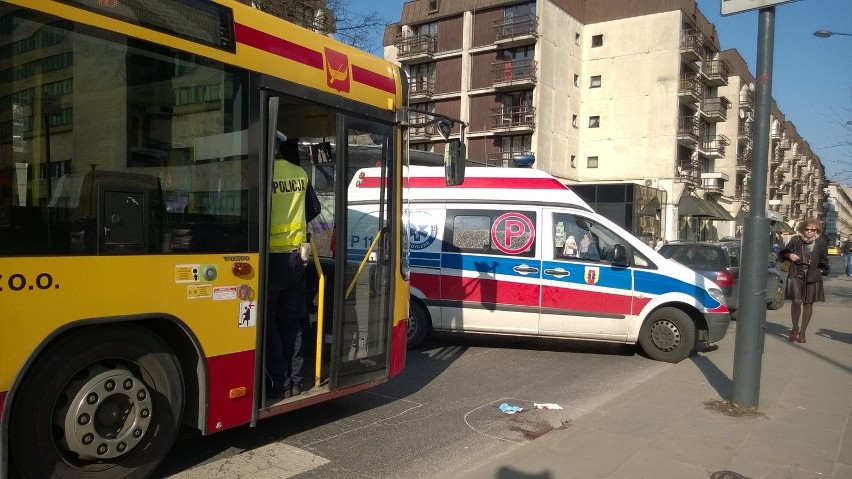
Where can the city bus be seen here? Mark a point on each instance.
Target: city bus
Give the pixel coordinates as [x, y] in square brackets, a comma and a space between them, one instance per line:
[136, 147]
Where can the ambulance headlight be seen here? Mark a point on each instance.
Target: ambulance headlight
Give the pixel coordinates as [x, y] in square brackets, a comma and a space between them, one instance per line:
[716, 294]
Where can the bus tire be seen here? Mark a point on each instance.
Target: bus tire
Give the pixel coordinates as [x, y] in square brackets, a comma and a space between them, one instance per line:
[419, 323]
[668, 335]
[104, 402]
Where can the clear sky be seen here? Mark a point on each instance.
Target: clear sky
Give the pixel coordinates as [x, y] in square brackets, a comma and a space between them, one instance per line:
[811, 76]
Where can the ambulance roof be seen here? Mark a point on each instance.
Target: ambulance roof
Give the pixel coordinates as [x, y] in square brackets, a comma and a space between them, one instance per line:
[523, 185]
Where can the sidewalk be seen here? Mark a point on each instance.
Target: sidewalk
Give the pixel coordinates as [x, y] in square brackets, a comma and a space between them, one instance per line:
[667, 428]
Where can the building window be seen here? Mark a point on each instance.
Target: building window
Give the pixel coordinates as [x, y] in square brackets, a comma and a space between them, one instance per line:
[594, 122]
[597, 41]
[576, 80]
[574, 121]
[595, 81]
[433, 5]
[592, 162]
[577, 38]
[573, 161]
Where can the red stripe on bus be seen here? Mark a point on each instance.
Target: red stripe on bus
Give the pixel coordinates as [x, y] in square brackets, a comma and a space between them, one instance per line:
[399, 344]
[228, 372]
[373, 79]
[283, 48]
[2, 401]
[473, 182]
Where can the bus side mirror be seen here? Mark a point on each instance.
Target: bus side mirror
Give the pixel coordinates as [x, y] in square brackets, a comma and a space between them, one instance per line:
[454, 158]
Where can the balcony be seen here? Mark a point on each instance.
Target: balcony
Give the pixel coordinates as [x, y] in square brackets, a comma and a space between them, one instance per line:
[690, 89]
[504, 158]
[514, 119]
[713, 182]
[514, 74]
[691, 45]
[512, 31]
[715, 109]
[747, 100]
[421, 88]
[744, 131]
[417, 48]
[741, 192]
[714, 146]
[784, 144]
[688, 130]
[688, 171]
[744, 162]
[717, 72]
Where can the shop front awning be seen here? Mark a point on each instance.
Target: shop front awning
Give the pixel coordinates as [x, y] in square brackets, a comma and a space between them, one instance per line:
[696, 207]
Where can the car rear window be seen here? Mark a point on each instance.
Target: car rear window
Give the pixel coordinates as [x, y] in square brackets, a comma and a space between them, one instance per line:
[705, 258]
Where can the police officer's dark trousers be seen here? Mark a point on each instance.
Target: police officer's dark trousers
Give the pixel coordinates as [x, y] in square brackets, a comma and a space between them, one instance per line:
[285, 311]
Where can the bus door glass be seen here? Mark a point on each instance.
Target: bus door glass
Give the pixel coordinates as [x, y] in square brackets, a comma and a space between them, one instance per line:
[365, 256]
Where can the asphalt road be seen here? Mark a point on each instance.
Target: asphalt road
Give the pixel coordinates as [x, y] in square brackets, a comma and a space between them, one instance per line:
[440, 416]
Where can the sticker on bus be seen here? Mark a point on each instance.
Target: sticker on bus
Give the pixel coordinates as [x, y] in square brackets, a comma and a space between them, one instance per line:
[248, 314]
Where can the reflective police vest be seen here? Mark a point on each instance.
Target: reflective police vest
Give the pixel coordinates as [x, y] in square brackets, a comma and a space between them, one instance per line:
[288, 225]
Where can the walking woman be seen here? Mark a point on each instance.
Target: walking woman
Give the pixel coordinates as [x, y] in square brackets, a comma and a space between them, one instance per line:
[808, 253]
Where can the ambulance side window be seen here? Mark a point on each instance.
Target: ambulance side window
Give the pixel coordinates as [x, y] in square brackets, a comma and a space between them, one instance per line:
[491, 232]
[582, 239]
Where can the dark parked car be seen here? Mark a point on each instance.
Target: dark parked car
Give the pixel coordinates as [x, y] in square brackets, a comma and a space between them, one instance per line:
[720, 261]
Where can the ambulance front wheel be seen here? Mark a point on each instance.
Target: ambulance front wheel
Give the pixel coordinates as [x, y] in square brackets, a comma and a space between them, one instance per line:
[419, 323]
[668, 335]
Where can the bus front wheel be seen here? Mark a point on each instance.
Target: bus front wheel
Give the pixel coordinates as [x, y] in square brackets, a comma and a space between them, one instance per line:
[104, 402]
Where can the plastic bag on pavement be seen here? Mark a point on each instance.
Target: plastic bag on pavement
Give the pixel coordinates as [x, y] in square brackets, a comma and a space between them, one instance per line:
[506, 408]
[547, 405]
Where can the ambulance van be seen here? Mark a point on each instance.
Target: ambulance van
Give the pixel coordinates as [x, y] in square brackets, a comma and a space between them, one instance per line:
[513, 251]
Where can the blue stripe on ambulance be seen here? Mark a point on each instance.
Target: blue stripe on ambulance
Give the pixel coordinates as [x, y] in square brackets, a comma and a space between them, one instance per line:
[608, 277]
[489, 264]
[425, 260]
[657, 284]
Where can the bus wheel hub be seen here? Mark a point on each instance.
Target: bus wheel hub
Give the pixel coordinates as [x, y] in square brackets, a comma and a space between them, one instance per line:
[108, 414]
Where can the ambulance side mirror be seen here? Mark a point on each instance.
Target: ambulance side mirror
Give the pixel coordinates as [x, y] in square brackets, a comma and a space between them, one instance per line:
[454, 158]
[619, 256]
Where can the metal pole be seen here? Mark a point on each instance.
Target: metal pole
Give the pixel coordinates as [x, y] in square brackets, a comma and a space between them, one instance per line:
[751, 322]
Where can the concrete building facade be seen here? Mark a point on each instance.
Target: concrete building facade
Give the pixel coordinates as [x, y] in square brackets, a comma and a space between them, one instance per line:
[600, 92]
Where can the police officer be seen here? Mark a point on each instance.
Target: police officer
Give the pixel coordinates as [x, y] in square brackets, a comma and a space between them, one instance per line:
[293, 205]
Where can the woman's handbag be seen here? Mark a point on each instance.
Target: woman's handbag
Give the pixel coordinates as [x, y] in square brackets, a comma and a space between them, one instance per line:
[785, 265]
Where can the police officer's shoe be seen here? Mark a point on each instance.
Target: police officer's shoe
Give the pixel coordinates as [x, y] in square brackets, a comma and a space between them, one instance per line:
[297, 389]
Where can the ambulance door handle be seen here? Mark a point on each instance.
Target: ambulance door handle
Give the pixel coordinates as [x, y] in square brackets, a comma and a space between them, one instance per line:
[522, 269]
[558, 272]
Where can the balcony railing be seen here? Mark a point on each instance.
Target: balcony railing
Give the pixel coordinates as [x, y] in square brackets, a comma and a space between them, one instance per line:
[713, 182]
[717, 72]
[691, 45]
[744, 162]
[747, 100]
[513, 73]
[690, 88]
[688, 170]
[422, 87]
[714, 146]
[716, 108]
[741, 192]
[415, 47]
[688, 129]
[504, 158]
[512, 29]
[515, 118]
[744, 131]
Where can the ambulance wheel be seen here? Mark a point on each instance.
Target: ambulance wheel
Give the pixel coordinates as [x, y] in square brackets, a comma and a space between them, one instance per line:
[668, 335]
[419, 323]
[104, 402]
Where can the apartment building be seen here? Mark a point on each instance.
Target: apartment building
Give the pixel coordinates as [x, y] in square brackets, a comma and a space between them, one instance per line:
[838, 213]
[601, 92]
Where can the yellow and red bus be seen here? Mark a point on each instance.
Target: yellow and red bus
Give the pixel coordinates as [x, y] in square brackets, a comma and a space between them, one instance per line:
[136, 149]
